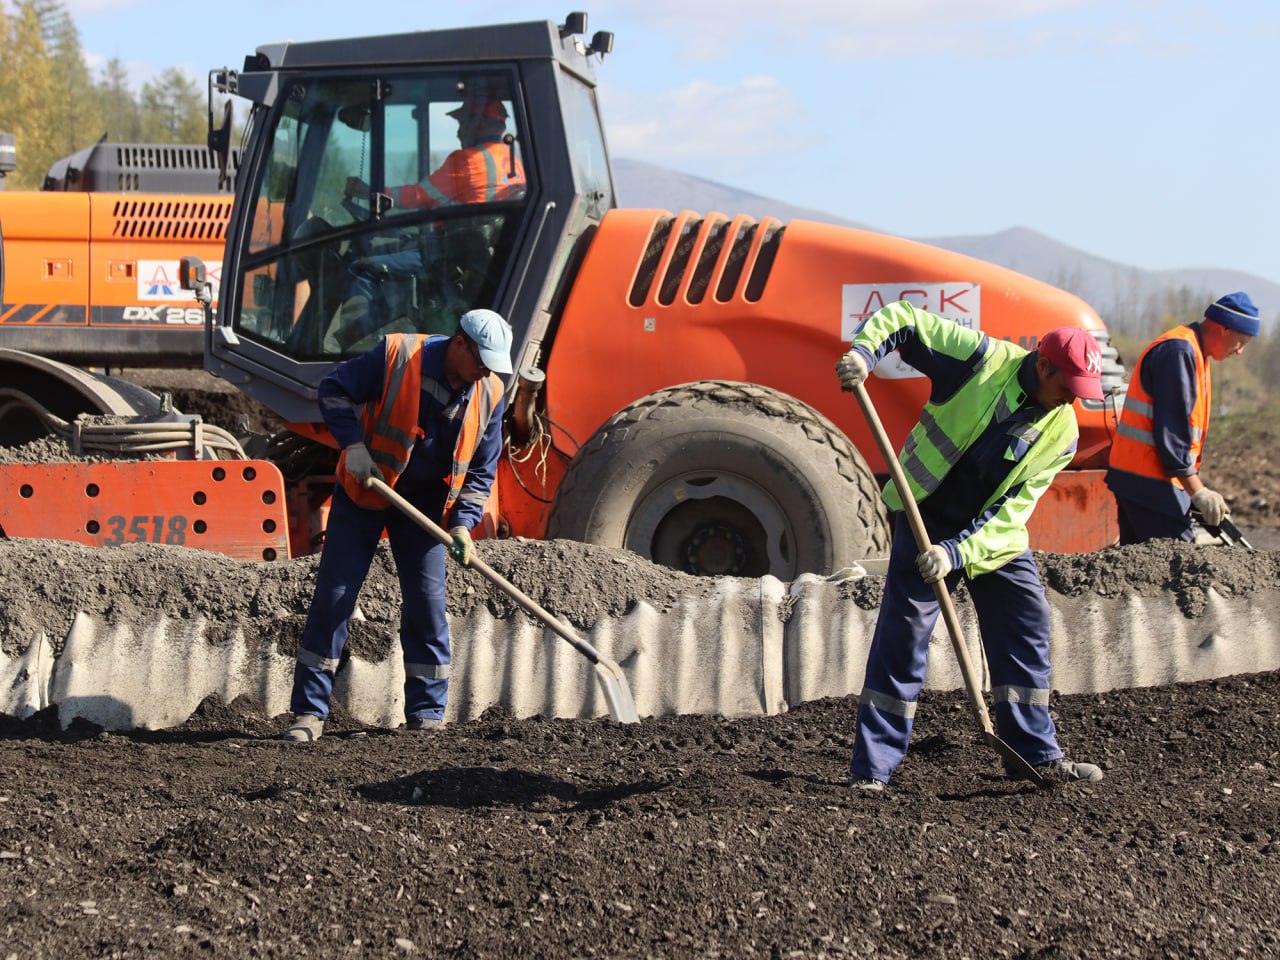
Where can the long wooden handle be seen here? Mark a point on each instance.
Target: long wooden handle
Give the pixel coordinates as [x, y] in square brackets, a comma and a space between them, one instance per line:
[527, 603]
[976, 703]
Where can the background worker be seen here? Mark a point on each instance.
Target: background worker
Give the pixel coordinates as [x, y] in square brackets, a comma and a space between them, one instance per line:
[996, 429]
[484, 168]
[1154, 470]
[431, 427]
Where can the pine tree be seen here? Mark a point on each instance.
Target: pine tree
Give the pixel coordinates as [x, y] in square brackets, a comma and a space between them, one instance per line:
[173, 109]
[73, 95]
[116, 106]
[28, 97]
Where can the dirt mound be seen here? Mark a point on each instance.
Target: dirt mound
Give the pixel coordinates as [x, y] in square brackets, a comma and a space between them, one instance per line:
[214, 400]
[49, 580]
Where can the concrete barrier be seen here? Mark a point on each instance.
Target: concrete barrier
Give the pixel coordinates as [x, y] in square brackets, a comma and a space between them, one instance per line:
[751, 647]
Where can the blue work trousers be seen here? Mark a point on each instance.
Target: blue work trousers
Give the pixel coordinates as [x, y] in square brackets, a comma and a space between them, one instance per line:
[1139, 524]
[351, 540]
[1013, 615]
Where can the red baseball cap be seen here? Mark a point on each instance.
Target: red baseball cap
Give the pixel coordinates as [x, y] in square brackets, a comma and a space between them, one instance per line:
[1075, 353]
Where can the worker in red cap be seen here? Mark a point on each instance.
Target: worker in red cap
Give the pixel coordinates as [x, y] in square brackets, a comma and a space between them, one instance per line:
[996, 429]
[484, 168]
[1154, 470]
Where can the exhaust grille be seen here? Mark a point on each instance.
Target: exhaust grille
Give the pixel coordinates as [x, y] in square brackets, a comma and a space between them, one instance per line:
[171, 219]
[702, 276]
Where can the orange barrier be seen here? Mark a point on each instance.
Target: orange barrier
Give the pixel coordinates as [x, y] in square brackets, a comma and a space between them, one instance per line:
[234, 507]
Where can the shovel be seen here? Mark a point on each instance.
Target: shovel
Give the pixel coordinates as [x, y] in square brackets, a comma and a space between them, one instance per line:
[976, 703]
[613, 683]
[1226, 531]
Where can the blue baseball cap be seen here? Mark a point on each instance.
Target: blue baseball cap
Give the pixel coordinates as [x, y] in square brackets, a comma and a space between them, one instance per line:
[491, 335]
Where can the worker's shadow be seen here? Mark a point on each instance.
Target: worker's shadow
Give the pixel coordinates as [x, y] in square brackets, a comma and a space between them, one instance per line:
[471, 787]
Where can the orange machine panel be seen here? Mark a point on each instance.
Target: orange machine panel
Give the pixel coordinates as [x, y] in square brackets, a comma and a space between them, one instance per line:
[46, 257]
[775, 305]
[234, 507]
[1077, 514]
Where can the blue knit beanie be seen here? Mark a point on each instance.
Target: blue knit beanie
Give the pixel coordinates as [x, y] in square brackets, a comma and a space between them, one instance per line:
[1236, 312]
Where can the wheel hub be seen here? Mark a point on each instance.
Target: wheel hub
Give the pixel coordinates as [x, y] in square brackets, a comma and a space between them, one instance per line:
[715, 551]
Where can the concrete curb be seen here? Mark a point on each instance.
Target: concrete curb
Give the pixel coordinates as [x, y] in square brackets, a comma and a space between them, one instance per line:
[751, 648]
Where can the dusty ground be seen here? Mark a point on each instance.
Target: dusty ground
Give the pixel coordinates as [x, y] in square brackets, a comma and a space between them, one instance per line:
[680, 837]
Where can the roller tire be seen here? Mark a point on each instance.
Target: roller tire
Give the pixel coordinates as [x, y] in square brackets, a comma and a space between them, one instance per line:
[726, 479]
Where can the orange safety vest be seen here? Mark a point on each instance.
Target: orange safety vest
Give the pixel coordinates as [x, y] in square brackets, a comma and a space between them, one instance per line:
[1134, 449]
[391, 425]
[470, 175]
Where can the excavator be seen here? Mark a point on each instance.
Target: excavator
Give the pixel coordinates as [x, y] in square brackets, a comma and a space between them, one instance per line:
[673, 392]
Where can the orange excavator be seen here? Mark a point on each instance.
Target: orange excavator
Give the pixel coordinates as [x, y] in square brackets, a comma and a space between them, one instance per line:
[674, 390]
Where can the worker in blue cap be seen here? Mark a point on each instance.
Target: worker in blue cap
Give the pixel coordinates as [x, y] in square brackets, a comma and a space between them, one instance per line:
[423, 414]
[1154, 469]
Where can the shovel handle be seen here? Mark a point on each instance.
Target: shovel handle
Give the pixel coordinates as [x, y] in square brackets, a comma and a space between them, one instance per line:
[922, 542]
[526, 603]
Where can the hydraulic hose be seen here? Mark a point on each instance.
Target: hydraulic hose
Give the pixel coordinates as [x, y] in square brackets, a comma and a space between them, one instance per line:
[114, 435]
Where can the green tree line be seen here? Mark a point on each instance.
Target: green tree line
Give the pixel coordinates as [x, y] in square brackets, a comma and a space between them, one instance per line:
[54, 106]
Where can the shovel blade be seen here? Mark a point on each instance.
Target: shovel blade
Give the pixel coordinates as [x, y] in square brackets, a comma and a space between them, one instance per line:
[1014, 762]
[617, 692]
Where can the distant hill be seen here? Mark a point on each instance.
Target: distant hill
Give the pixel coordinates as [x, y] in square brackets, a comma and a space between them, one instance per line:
[1115, 290]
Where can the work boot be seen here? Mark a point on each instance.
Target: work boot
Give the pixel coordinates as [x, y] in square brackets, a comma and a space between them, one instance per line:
[867, 785]
[423, 725]
[305, 729]
[1066, 771]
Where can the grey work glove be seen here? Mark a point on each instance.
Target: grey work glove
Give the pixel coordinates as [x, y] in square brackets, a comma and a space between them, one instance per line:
[461, 549]
[852, 370]
[360, 463]
[934, 564]
[1212, 507]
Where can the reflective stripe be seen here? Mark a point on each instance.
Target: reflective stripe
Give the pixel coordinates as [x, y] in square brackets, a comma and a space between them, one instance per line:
[887, 704]
[317, 662]
[917, 471]
[1133, 433]
[490, 174]
[1029, 695]
[1028, 433]
[384, 427]
[937, 436]
[434, 192]
[438, 391]
[428, 671]
[1003, 410]
[1196, 434]
[484, 398]
[337, 403]
[474, 496]
[1140, 407]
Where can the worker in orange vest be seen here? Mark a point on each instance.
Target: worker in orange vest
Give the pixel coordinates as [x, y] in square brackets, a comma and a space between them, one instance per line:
[424, 414]
[1154, 470]
[483, 169]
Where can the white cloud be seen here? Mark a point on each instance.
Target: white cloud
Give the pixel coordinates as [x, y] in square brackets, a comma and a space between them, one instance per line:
[754, 116]
[87, 8]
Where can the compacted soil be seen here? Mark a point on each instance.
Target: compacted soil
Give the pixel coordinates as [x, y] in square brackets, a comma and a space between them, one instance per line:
[679, 837]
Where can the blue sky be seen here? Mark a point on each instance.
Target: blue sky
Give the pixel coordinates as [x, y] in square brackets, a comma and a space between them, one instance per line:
[1142, 132]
